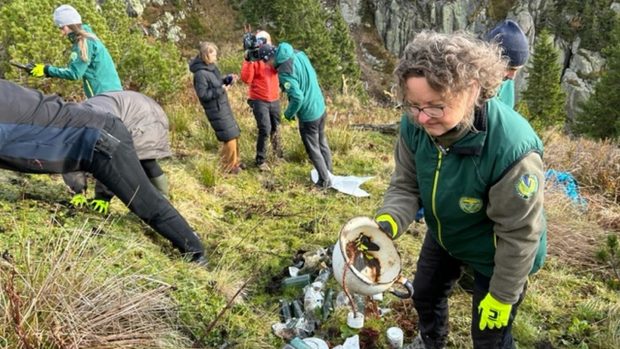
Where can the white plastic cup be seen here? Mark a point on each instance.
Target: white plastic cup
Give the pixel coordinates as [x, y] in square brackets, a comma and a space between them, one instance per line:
[395, 336]
[354, 321]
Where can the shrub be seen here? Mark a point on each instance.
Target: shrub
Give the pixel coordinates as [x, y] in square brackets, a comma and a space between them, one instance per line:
[28, 34]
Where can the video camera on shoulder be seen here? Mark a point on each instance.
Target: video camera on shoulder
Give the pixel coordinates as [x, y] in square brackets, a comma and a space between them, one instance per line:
[251, 44]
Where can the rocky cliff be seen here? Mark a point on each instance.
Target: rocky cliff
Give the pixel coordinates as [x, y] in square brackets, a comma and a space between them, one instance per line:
[397, 22]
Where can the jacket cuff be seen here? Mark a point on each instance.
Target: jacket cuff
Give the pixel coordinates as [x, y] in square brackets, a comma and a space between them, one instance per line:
[387, 224]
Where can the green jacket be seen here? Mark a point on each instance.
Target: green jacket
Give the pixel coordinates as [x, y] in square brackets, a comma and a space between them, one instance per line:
[506, 92]
[298, 79]
[98, 73]
[482, 193]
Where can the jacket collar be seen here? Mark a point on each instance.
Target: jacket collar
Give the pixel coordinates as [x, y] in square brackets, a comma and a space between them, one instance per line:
[467, 142]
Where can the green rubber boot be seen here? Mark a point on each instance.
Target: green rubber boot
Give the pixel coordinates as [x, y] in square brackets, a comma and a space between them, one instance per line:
[161, 183]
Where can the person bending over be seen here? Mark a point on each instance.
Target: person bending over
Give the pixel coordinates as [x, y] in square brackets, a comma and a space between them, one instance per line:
[44, 134]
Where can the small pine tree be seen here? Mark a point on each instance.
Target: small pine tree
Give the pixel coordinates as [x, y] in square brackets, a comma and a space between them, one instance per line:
[321, 33]
[544, 96]
[302, 23]
[600, 116]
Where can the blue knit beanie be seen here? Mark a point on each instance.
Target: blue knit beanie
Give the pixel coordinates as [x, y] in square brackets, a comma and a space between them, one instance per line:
[512, 41]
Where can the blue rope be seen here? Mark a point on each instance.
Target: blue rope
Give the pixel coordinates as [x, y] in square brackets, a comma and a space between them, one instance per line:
[568, 183]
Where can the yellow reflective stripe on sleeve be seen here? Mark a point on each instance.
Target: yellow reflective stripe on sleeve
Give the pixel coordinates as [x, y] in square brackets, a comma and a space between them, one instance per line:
[386, 217]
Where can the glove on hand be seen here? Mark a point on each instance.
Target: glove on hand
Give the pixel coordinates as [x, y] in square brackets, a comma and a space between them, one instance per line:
[493, 313]
[100, 206]
[38, 70]
[387, 224]
[289, 118]
[78, 200]
[365, 245]
[228, 80]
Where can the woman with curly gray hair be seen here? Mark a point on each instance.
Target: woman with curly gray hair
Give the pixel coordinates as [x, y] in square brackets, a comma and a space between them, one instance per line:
[476, 167]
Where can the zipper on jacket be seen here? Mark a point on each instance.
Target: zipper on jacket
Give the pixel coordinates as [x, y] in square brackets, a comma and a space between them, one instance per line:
[90, 88]
[434, 194]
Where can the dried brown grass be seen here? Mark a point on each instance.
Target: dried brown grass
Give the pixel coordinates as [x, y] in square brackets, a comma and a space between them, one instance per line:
[575, 233]
[64, 296]
[595, 164]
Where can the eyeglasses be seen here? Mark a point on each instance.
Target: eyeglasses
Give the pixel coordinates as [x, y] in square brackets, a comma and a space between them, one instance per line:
[433, 112]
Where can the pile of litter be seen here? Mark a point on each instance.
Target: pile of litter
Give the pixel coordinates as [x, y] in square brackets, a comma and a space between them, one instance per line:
[316, 301]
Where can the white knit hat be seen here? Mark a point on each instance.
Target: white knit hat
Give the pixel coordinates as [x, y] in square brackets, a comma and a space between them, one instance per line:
[261, 34]
[66, 15]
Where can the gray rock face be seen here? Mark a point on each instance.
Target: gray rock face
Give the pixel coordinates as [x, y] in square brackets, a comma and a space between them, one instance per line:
[135, 8]
[350, 10]
[397, 22]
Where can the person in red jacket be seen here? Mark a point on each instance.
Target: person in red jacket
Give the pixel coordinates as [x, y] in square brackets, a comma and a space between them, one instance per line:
[264, 99]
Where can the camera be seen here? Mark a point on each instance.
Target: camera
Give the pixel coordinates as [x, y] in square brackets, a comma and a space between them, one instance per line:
[251, 44]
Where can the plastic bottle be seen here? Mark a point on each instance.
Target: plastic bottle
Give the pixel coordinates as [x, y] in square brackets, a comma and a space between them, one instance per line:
[328, 304]
[285, 310]
[313, 297]
[297, 310]
[323, 276]
[299, 280]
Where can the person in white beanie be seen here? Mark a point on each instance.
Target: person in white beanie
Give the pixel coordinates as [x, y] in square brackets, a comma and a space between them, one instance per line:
[89, 61]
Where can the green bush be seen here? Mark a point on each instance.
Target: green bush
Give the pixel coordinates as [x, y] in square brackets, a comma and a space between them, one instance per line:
[308, 26]
[29, 34]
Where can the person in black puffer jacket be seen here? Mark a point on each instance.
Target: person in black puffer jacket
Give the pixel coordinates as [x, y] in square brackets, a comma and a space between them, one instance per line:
[211, 90]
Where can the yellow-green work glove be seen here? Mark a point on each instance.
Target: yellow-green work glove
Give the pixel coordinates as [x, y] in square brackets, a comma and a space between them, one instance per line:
[100, 206]
[493, 313]
[38, 71]
[78, 200]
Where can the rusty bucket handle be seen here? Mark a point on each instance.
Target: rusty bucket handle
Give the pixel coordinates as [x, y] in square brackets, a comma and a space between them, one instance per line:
[407, 285]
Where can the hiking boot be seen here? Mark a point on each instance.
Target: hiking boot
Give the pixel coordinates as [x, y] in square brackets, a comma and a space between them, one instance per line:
[161, 184]
[263, 167]
[201, 261]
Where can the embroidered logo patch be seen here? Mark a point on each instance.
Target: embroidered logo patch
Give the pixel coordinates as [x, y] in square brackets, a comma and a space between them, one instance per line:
[527, 186]
[470, 205]
[287, 85]
[73, 56]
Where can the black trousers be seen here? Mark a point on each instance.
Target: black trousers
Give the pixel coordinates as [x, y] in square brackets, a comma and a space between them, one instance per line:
[78, 182]
[436, 274]
[116, 165]
[315, 142]
[151, 169]
[267, 115]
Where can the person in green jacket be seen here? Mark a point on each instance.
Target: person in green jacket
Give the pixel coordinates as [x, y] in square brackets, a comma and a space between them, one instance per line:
[476, 167]
[515, 47]
[298, 79]
[89, 59]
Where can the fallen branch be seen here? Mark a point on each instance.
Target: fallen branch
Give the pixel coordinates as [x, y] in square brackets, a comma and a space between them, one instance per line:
[232, 299]
[391, 129]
